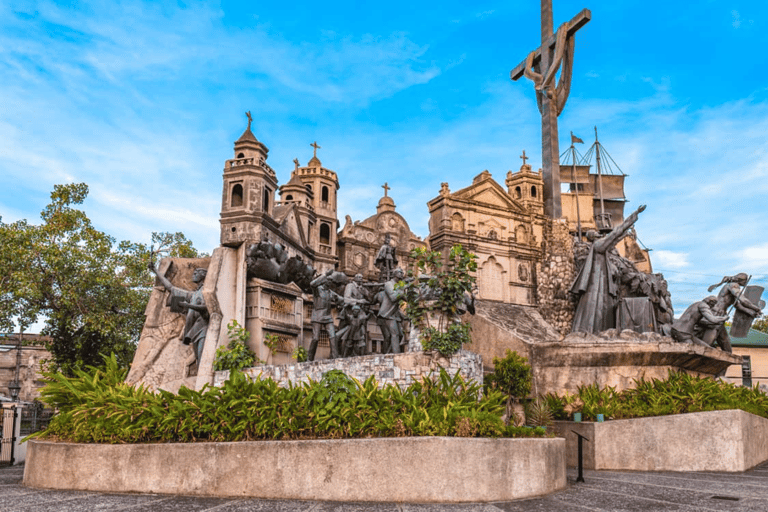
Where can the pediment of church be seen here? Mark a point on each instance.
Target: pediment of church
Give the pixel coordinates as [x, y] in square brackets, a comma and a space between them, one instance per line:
[488, 193]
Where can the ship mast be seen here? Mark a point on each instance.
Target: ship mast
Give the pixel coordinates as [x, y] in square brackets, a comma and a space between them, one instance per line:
[600, 183]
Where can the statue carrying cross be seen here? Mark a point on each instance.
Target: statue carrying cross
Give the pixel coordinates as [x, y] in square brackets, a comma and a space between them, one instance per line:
[541, 66]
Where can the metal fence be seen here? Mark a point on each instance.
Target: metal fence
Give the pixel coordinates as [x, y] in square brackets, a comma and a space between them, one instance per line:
[7, 439]
[30, 419]
[34, 418]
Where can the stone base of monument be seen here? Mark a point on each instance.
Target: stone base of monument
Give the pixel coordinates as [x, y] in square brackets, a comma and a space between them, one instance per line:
[410, 469]
[399, 369]
[731, 441]
[618, 359]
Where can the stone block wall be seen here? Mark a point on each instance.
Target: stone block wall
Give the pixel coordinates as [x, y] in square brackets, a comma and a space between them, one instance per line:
[399, 369]
[555, 274]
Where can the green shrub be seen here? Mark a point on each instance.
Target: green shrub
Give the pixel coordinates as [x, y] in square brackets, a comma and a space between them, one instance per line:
[448, 285]
[236, 355]
[678, 393]
[300, 354]
[511, 375]
[98, 407]
[448, 342]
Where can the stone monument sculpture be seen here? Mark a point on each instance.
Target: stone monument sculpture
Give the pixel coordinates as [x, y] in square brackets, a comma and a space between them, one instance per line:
[353, 336]
[541, 66]
[386, 258]
[697, 319]
[389, 316]
[595, 284]
[324, 299]
[192, 304]
[270, 261]
[729, 295]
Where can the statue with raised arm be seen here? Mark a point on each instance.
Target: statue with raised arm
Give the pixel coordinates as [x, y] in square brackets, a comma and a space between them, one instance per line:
[595, 285]
[192, 304]
[730, 295]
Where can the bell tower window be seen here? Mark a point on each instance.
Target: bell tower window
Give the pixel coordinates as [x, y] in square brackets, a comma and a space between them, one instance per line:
[325, 234]
[237, 196]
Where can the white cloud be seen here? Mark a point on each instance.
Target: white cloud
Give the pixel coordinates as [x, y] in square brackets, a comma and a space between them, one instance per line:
[670, 259]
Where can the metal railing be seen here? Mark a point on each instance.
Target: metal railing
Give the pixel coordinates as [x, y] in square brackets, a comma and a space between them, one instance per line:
[7, 438]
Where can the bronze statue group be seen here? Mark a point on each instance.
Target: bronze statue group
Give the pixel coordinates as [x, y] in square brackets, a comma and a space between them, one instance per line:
[606, 283]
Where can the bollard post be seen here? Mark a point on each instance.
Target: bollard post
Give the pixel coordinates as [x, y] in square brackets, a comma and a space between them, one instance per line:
[580, 478]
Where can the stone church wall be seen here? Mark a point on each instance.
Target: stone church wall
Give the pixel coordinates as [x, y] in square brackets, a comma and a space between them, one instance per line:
[555, 273]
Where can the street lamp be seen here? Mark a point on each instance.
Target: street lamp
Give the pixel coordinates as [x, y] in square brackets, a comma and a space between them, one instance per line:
[13, 388]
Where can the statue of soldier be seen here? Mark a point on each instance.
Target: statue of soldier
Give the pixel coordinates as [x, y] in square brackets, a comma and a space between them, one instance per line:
[324, 299]
[192, 304]
[386, 258]
[729, 295]
[697, 319]
[389, 318]
[354, 295]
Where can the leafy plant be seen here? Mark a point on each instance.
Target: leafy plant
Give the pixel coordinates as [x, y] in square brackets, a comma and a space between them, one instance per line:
[236, 355]
[300, 354]
[272, 341]
[678, 393]
[98, 407]
[448, 342]
[538, 413]
[433, 287]
[512, 376]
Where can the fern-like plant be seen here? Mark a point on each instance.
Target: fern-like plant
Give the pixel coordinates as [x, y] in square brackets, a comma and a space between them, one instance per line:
[236, 355]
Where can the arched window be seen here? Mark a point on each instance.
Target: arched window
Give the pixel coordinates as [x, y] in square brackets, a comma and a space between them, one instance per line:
[518, 193]
[457, 222]
[325, 195]
[237, 196]
[325, 234]
[533, 191]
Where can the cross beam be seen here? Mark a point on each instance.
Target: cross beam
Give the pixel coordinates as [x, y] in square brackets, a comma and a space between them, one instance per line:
[575, 24]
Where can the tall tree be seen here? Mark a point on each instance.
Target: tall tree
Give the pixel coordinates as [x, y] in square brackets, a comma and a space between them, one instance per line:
[90, 291]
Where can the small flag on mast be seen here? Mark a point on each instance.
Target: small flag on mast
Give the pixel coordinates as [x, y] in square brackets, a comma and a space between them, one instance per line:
[575, 139]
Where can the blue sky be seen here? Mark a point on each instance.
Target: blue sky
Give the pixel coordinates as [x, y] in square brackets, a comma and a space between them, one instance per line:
[143, 100]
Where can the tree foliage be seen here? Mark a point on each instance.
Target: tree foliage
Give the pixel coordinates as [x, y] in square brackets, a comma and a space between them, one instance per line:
[89, 290]
[442, 287]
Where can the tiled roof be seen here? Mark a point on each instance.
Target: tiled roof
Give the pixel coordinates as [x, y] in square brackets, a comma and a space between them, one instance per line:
[753, 339]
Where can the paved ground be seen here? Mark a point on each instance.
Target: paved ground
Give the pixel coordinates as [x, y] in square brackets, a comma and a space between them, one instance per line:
[603, 490]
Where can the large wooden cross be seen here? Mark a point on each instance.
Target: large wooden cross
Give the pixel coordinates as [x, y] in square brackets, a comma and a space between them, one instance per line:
[541, 66]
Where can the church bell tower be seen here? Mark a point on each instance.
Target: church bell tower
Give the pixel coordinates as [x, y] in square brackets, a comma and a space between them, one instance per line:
[248, 191]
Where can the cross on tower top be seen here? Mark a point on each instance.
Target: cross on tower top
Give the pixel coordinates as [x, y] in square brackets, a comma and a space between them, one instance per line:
[524, 157]
[386, 188]
[314, 145]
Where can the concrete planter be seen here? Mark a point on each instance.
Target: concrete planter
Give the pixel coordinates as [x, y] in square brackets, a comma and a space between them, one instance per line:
[731, 440]
[414, 469]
